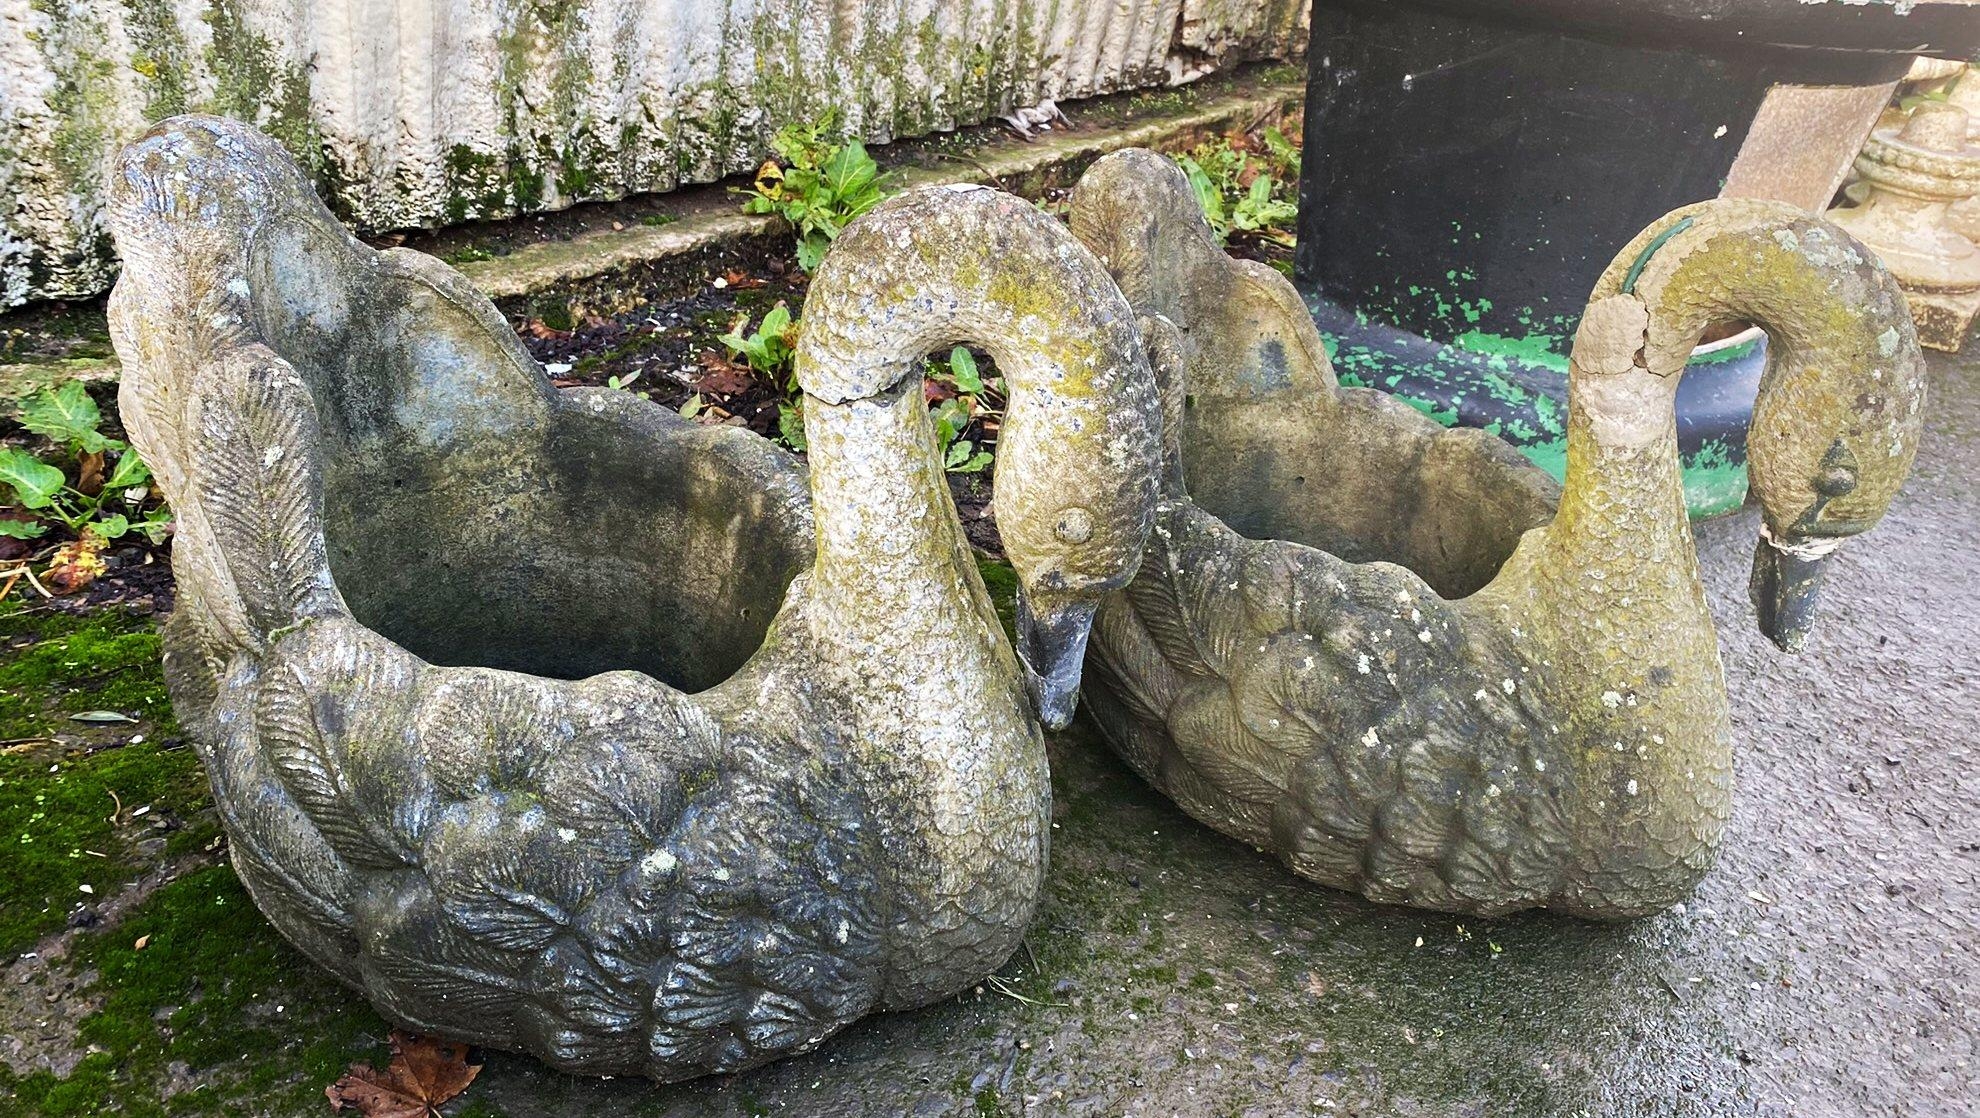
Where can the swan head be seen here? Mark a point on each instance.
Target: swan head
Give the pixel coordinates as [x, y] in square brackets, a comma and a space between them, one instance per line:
[1079, 450]
[1829, 447]
[1836, 425]
[1841, 404]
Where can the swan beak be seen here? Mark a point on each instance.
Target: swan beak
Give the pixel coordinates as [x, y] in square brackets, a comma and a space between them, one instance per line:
[1787, 581]
[1052, 648]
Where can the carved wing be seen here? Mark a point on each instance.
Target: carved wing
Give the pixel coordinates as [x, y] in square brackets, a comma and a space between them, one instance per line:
[1335, 712]
[592, 872]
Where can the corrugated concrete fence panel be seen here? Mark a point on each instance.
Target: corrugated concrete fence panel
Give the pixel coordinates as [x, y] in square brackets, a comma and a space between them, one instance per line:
[427, 112]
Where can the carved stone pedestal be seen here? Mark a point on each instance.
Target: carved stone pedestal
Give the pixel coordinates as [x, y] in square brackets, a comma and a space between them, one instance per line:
[1914, 176]
[1965, 216]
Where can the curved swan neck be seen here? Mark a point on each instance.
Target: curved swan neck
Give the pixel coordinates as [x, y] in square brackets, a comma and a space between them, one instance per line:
[899, 620]
[1622, 506]
[1079, 447]
[892, 557]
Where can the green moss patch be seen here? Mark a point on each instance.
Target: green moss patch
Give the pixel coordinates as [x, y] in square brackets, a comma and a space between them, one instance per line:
[85, 808]
[215, 1014]
[62, 664]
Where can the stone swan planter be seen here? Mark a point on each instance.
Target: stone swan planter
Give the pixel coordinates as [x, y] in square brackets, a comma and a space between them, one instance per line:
[1372, 647]
[510, 715]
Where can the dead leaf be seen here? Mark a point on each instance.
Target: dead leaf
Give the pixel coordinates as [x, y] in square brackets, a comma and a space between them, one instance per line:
[141, 941]
[536, 328]
[424, 1073]
[738, 278]
[770, 179]
[89, 473]
[76, 564]
[724, 377]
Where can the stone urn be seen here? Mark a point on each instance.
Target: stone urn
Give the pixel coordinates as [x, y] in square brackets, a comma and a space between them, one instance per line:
[1913, 174]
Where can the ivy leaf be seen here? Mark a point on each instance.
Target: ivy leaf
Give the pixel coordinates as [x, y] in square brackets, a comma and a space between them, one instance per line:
[811, 251]
[21, 530]
[35, 482]
[67, 415]
[790, 425]
[1207, 195]
[111, 527]
[424, 1073]
[1283, 151]
[848, 171]
[776, 322]
[951, 419]
[156, 525]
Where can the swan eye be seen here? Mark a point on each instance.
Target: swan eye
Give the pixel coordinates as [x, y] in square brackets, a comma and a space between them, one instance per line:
[1838, 471]
[1075, 526]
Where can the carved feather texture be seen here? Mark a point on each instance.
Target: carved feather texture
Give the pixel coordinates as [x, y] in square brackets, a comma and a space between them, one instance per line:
[603, 872]
[1336, 729]
[670, 902]
[256, 470]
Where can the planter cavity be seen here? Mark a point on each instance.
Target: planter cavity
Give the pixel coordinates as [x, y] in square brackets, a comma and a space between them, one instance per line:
[1470, 165]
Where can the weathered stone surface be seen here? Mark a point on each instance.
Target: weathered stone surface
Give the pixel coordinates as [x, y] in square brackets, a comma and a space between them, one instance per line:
[511, 718]
[439, 111]
[1914, 174]
[1342, 649]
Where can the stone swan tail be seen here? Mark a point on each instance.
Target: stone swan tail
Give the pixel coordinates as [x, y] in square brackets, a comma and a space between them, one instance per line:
[227, 425]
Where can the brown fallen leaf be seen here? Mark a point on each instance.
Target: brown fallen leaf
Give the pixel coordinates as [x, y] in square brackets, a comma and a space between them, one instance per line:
[724, 377]
[424, 1073]
[89, 473]
[538, 329]
[76, 564]
[741, 280]
[12, 549]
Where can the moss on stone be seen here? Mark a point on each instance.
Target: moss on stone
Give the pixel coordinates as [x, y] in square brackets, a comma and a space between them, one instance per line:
[254, 83]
